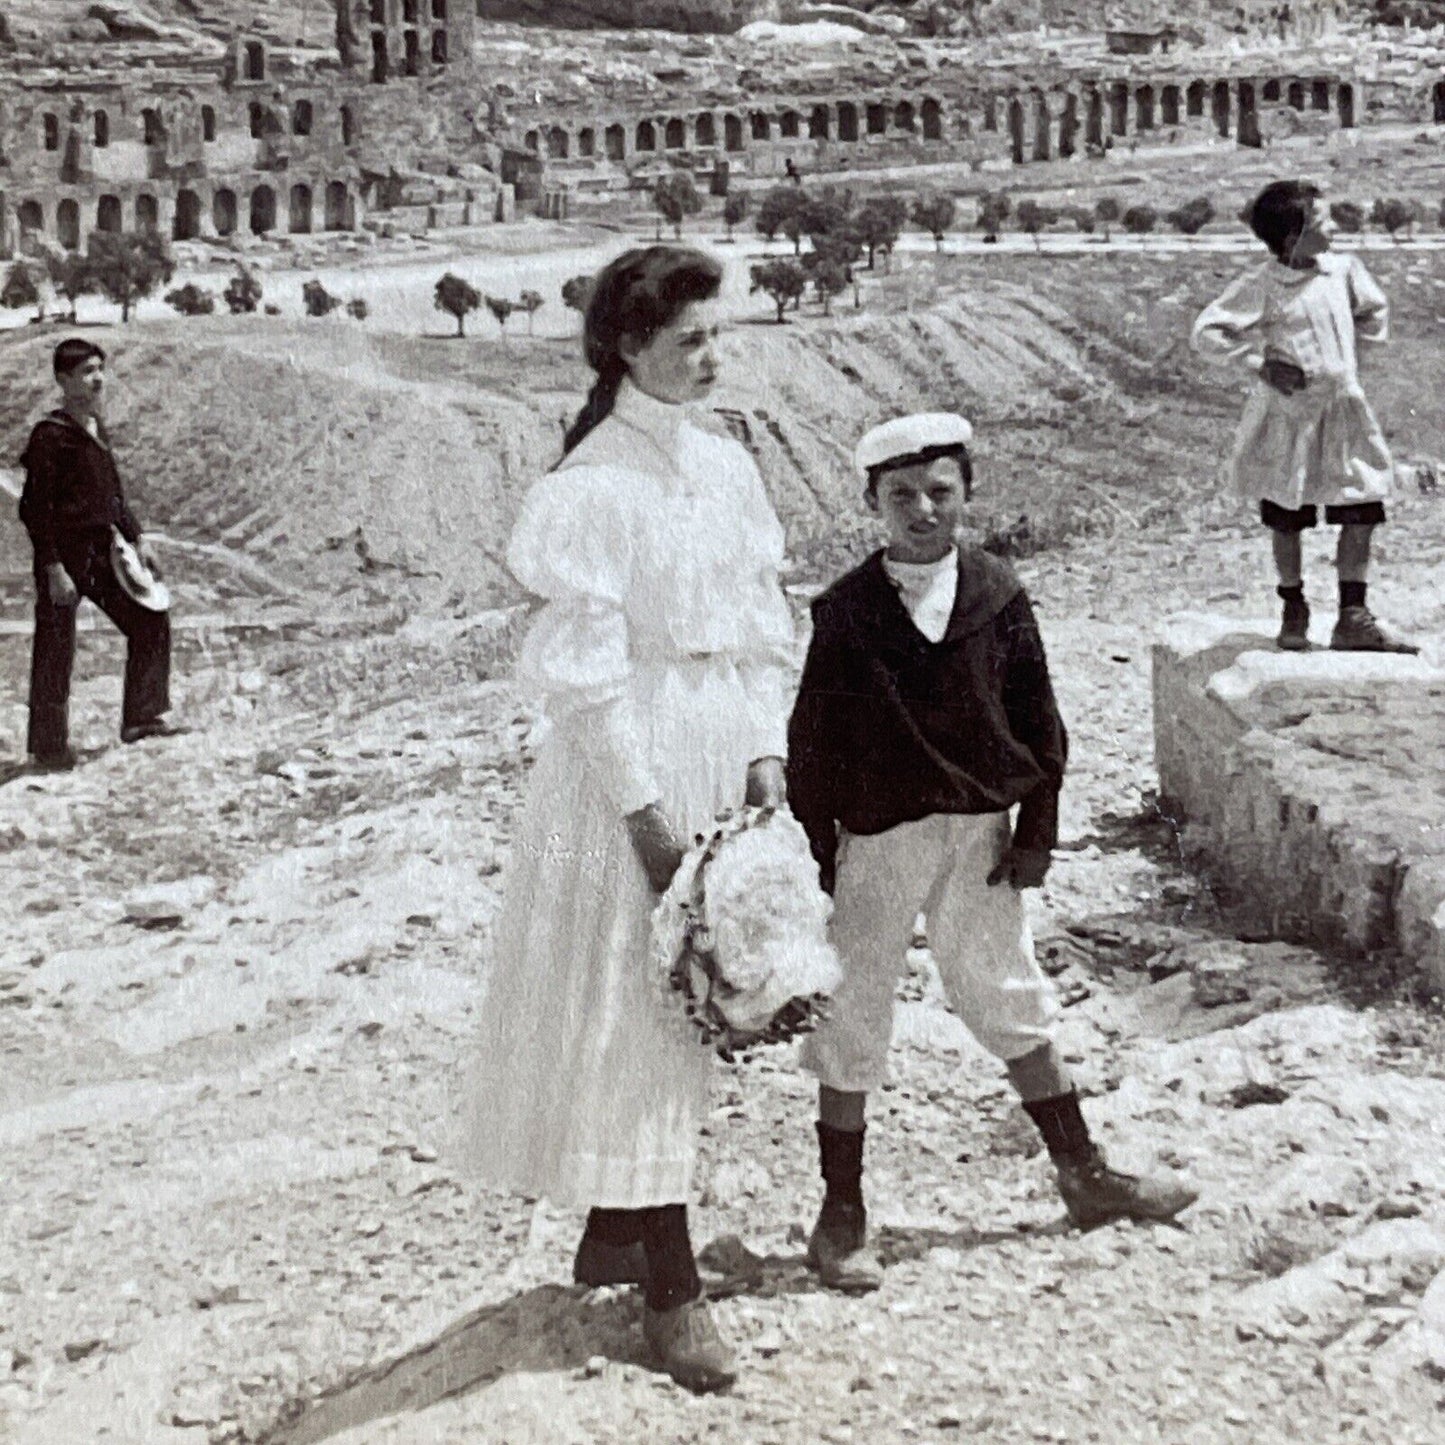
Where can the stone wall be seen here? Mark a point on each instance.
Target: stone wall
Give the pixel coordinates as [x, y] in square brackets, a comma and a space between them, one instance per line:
[1313, 784]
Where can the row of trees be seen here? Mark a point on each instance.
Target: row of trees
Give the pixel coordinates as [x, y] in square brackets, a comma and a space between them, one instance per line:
[123, 267]
[459, 298]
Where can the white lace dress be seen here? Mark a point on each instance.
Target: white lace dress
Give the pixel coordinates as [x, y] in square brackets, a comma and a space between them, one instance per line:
[661, 659]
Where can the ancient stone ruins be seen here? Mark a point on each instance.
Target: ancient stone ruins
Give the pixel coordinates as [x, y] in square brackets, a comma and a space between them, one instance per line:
[425, 113]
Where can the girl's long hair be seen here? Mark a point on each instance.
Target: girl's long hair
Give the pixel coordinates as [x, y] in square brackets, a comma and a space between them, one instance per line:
[634, 297]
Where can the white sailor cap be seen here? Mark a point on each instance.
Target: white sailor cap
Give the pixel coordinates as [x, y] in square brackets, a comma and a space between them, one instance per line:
[899, 441]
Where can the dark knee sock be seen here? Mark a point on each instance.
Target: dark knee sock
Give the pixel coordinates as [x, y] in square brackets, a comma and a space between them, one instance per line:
[1061, 1123]
[841, 1154]
[617, 1227]
[672, 1277]
[1352, 594]
[1295, 593]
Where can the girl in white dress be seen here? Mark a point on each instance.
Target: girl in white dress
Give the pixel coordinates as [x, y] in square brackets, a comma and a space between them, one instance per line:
[661, 660]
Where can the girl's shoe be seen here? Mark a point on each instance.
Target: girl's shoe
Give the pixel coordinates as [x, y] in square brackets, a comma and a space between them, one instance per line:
[1358, 631]
[1294, 629]
[839, 1251]
[686, 1343]
[598, 1265]
[1095, 1194]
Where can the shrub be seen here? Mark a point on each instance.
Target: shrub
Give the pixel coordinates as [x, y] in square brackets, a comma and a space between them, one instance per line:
[191, 300]
[457, 298]
[357, 308]
[317, 300]
[243, 293]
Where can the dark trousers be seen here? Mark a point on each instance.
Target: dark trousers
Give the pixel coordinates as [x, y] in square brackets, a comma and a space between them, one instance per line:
[148, 646]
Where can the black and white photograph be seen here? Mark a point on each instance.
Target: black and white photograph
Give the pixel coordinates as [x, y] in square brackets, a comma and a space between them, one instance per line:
[722, 722]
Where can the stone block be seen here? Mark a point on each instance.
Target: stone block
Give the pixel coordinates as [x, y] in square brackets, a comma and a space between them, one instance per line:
[1313, 783]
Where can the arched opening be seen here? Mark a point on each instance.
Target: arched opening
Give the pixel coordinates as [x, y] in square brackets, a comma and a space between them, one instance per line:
[255, 60]
[348, 126]
[789, 124]
[438, 47]
[674, 135]
[1320, 95]
[1273, 89]
[153, 128]
[1194, 98]
[1296, 95]
[761, 125]
[147, 215]
[819, 123]
[532, 140]
[847, 121]
[1069, 127]
[410, 53]
[67, 224]
[301, 118]
[1016, 130]
[1041, 126]
[223, 212]
[187, 223]
[877, 119]
[1221, 106]
[208, 123]
[1345, 103]
[903, 116]
[1248, 131]
[102, 130]
[1119, 109]
[932, 120]
[438, 9]
[50, 129]
[378, 12]
[1169, 105]
[298, 211]
[615, 140]
[646, 138]
[263, 210]
[410, 11]
[1439, 102]
[732, 133]
[31, 218]
[256, 119]
[557, 143]
[1094, 120]
[586, 141]
[338, 206]
[1144, 107]
[380, 60]
[705, 130]
[108, 214]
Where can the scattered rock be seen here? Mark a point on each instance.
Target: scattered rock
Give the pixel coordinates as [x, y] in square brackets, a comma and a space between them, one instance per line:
[169, 905]
[80, 1349]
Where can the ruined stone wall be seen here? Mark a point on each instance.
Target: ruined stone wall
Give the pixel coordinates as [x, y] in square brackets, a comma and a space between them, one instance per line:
[688, 16]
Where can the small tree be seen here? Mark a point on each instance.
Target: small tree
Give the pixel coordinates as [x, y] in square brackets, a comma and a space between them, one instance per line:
[878, 223]
[1107, 211]
[191, 300]
[128, 265]
[1083, 219]
[317, 300]
[735, 210]
[457, 298]
[993, 210]
[1348, 217]
[1193, 216]
[784, 281]
[576, 292]
[357, 308]
[781, 213]
[1033, 218]
[1393, 215]
[531, 302]
[21, 289]
[243, 292]
[934, 211]
[70, 276]
[501, 307]
[827, 212]
[676, 198]
[1140, 220]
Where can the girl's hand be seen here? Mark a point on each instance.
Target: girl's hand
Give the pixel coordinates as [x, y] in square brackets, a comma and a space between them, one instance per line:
[655, 844]
[1021, 867]
[767, 785]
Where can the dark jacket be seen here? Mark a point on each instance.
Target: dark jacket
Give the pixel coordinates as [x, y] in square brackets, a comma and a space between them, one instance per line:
[889, 727]
[71, 487]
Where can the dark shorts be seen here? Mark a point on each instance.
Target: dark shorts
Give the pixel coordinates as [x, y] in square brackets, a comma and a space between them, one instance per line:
[1352, 514]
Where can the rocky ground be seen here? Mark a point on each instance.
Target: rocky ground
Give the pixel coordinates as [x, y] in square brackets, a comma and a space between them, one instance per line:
[237, 968]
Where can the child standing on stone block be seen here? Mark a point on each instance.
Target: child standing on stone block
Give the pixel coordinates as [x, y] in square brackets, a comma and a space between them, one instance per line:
[1308, 437]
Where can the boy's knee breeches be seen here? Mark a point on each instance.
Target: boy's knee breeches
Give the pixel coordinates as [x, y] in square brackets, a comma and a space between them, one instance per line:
[979, 937]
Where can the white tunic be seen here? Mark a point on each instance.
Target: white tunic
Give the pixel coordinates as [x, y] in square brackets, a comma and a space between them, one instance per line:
[1321, 445]
[927, 590]
[662, 661]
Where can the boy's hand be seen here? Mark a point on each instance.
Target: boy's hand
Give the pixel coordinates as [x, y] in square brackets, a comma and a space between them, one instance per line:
[58, 586]
[147, 554]
[1284, 376]
[655, 844]
[1021, 867]
[766, 786]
